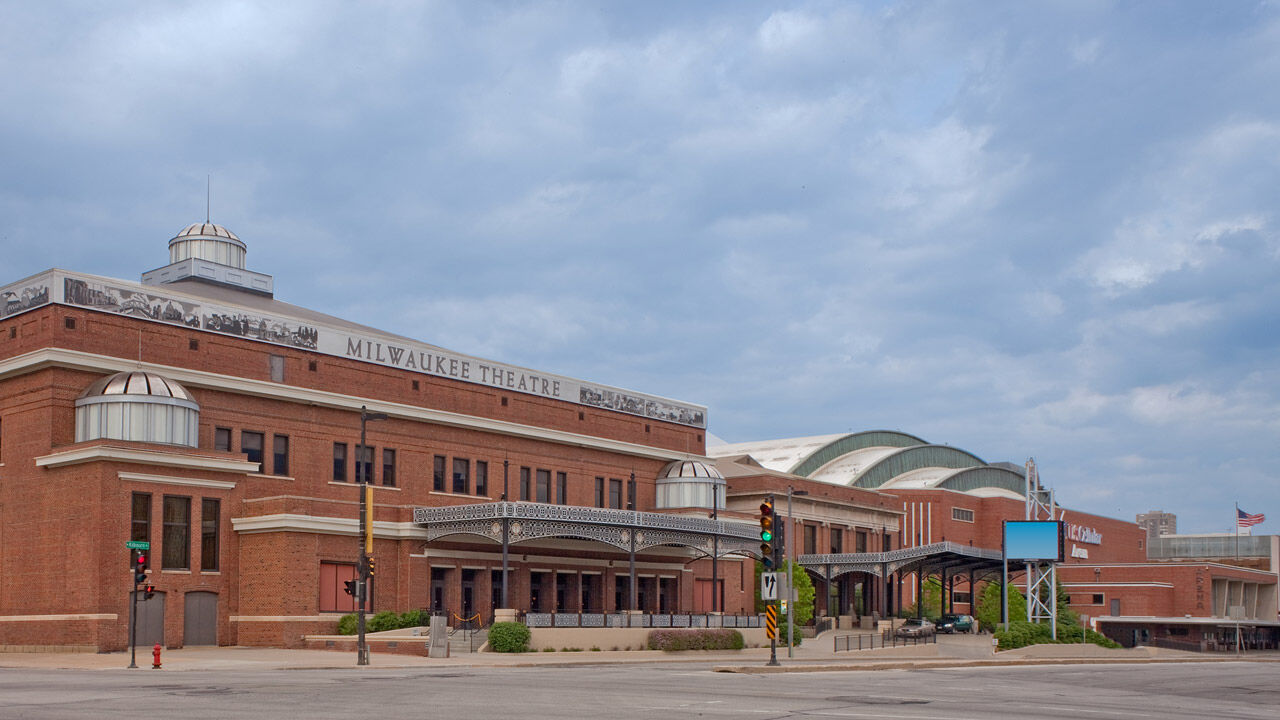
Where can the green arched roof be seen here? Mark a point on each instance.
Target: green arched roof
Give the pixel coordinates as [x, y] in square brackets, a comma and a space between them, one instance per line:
[983, 477]
[915, 458]
[850, 443]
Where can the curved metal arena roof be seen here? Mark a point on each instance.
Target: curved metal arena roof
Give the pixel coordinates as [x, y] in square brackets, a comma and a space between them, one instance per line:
[882, 459]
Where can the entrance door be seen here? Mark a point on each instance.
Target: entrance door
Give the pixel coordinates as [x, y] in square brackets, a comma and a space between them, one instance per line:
[438, 578]
[1115, 607]
[150, 620]
[589, 583]
[468, 593]
[200, 619]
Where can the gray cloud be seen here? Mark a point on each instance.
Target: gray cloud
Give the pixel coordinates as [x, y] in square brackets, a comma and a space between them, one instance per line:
[1022, 230]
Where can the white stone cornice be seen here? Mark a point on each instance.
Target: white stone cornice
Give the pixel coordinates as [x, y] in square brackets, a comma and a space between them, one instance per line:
[170, 480]
[59, 357]
[143, 457]
[294, 522]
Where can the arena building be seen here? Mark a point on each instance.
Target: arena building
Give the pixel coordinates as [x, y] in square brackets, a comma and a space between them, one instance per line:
[195, 412]
[953, 507]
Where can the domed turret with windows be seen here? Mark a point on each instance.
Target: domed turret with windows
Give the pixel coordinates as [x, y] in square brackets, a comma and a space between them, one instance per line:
[138, 406]
[690, 484]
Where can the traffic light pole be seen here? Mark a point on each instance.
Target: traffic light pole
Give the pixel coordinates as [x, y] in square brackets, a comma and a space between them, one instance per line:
[362, 581]
[133, 627]
[778, 539]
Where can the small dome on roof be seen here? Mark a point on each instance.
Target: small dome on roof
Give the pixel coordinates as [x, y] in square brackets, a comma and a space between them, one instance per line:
[136, 383]
[207, 230]
[690, 469]
[138, 406]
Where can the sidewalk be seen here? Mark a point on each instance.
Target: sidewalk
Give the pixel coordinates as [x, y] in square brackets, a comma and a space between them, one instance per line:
[814, 655]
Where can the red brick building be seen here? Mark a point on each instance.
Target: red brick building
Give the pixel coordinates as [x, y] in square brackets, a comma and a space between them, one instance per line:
[953, 506]
[197, 413]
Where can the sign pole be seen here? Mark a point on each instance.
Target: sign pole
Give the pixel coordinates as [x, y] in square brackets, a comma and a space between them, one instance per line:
[133, 627]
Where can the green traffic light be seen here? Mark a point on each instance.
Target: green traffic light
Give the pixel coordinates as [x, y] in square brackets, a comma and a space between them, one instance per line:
[765, 535]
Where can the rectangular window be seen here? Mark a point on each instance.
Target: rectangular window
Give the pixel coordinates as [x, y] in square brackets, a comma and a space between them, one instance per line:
[340, 462]
[210, 512]
[960, 597]
[280, 455]
[525, 482]
[251, 446]
[222, 439]
[177, 533]
[599, 491]
[437, 473]
[615, 493]
[810, 539]
[276, 365]
[631, 494]
[364, 463]
[388, 467]
[860, 541]
[333, 580]
[544, 486]
[140, 525]
[1096, 599]
[462, 475]
[482, 477]
[961, 514]
[562, 487]
[837, 541]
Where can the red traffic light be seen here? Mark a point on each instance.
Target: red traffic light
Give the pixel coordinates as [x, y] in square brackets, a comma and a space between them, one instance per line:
[142, 558]
[766, 508]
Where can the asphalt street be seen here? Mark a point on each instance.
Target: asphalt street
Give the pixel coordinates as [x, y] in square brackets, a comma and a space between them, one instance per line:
[624, 692]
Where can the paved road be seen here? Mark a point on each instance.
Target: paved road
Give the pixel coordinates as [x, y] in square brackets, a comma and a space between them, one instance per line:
[626, 692]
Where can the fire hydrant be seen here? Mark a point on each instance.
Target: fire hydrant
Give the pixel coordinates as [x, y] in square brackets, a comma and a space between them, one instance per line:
[155, 657]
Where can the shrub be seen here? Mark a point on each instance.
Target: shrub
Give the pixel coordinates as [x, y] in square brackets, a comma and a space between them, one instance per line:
[347, 624]
[1022, 633]
[383, 621]
[509, 637]
[414, 618]
[701, 639]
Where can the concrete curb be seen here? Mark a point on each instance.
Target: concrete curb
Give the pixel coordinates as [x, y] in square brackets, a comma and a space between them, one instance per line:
[937, 664]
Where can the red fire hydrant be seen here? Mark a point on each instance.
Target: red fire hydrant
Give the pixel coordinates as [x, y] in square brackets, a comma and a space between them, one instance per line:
[155, 657]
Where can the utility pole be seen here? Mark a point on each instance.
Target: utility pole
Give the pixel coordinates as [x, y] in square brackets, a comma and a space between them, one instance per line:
[363, 482]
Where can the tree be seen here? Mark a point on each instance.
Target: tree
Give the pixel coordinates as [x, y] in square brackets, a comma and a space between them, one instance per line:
[989, 603]
[805, 592]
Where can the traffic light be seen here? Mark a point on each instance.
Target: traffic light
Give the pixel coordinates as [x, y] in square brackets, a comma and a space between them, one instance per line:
[139, 566]
[350, 587]
[150, 592]
[766, 533]
[371, 567]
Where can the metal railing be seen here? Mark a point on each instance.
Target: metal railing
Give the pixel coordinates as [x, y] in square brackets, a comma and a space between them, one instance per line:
[645, 620]
[469, 627]
[867, 641]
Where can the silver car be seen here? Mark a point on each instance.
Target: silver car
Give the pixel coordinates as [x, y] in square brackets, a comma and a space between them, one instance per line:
[915, 627]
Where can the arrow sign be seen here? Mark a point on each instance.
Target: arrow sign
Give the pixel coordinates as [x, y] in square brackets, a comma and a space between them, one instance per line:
[138, 545]
[769, 586]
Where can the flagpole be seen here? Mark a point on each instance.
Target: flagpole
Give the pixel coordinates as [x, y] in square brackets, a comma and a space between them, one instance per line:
[1237, 533]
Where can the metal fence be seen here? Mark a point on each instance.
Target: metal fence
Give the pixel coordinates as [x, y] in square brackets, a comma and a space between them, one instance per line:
[648, 620]
[867, 641]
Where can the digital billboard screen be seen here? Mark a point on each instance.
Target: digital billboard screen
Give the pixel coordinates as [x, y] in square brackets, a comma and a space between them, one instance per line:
[1033, 540]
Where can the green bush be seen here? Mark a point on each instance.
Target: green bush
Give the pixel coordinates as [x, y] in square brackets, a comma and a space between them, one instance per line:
[710, 639]
[1022, 634]
[415, 618]
[347, 624]
[383, 621]
[509, 637]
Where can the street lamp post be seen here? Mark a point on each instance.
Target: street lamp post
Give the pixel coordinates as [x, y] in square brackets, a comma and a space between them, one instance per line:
[791, 605]
[366, 525]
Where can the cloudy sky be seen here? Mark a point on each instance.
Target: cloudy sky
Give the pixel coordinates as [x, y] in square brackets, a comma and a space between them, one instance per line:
[1025, 229]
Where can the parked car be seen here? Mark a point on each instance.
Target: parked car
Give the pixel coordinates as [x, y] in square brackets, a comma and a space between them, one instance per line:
[915, 627]
[950, 623]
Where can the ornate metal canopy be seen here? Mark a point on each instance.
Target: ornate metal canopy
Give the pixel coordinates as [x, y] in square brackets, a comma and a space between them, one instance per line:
[624, 529]
[935, 556]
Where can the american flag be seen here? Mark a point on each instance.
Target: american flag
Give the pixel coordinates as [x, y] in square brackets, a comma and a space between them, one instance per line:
[1244, 519]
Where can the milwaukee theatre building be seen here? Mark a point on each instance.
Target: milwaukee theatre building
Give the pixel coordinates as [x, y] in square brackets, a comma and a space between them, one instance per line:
[196, 414]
